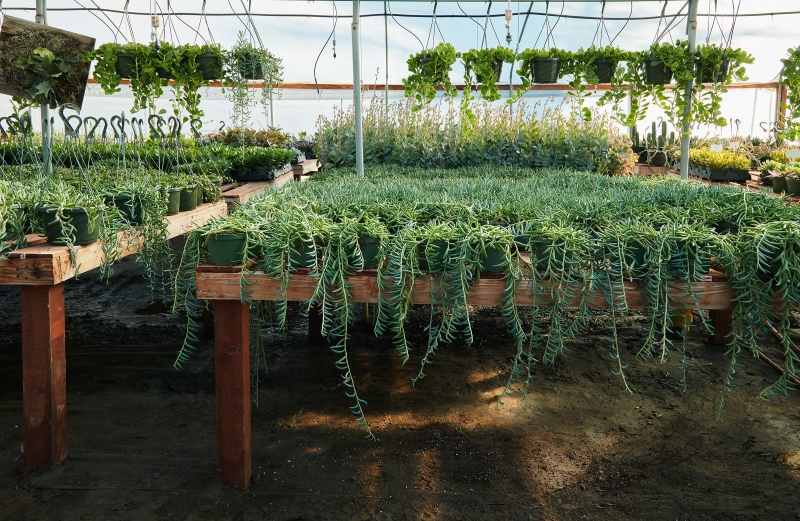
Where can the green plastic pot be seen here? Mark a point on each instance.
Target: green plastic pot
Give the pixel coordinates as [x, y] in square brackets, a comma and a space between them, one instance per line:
[779, 185]
[208, 65]
[174, 200]
[83, 233]
[129, 206]
[198, 195]
[677, 264]
[540, 251]
[494, 260]
[226, 249]
[188, 198]
[303, 255]
[209, 195]
[436, 261]
[604, 70]
[545, 70]
[125, 66]
[656, 72]
[370, 251]
[792, 186]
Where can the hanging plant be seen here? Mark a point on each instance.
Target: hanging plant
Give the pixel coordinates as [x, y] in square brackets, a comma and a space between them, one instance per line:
[47, 72]
[715, 64]
[483, 67]
[430, 68]
[541, 66]
[178, 63]
[245, 62]
[790, 75]
[640, 99]
[134, 61]
[594, 65]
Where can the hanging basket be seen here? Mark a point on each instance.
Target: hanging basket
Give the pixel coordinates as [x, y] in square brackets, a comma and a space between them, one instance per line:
[546, 70]
[713, 74]
[208, 65]
[604, 70]
[125, 66]
[497, 68]
[226, 249]
[656, 72]
[250, 67]
[79, 232]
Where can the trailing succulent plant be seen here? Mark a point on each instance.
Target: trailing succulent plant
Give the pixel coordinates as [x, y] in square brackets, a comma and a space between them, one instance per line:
[566, 250]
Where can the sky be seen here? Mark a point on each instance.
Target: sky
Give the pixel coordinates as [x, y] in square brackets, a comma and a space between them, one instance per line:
[299, 40]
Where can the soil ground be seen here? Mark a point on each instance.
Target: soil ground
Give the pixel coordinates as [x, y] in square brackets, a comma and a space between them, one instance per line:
[142, 442]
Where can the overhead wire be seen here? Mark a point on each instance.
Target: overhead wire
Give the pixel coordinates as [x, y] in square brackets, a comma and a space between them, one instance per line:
[389, 5]
[333, 31]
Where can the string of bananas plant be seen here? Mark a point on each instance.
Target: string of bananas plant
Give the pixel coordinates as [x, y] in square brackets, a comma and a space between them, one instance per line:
[570, 242]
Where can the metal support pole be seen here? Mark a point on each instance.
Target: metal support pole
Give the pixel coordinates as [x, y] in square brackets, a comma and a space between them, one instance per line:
[356, 36]
[47, 131]
[386, 40]
[686, 134]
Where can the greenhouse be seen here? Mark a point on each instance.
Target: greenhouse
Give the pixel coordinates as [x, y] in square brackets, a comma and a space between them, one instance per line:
[399, 259]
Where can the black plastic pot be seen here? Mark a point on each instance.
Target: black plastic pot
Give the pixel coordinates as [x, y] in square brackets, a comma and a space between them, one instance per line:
[766, 180]
[656, 72]
[708, 76]
[226, 249]
[162, 73]
[545, 70]
[497, 68]
[604, 69]
[250, 67]
[658, 159]
[779, 185]
[310, 154]
[129, 206]
[83, 231]
[208, 65]
[726, 227]
[125, 66]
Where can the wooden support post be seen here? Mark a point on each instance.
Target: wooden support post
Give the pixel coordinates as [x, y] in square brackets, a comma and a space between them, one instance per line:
[232, 336]
[44, 398]
[315, 323]
[721, 320]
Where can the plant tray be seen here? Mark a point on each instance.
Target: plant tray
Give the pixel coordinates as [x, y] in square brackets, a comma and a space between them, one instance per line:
[260, 175]
[738, 176]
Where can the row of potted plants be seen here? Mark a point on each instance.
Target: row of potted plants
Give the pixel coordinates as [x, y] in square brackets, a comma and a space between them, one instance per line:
[584, 235]
[646, 73]
[725, 165]
[784, 177]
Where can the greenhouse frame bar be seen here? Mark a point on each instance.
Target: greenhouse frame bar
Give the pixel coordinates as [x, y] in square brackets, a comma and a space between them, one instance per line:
[691, 32]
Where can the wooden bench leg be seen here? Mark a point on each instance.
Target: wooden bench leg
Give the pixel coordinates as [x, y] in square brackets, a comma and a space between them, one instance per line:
[232, 337]
[44, 398]
[721, 320]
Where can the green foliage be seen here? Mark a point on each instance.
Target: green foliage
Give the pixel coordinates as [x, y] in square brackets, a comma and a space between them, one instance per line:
[568, 241]
[46, 70]
[790, 75]
[429, 69]
[525, 70]
[145, 83]
[245, 60]
[725, 160]
[483, 66]
[438, 136]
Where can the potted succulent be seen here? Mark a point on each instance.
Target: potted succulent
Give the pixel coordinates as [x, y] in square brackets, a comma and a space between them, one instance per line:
[69, 217]
[210, 61]
[598, 64]
[428, 69]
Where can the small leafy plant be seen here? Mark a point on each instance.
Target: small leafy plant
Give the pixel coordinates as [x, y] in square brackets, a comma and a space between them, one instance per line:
[430, 68]
[46, 71]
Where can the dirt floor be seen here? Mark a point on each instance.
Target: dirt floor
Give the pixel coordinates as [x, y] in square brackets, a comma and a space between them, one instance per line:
[142, 442]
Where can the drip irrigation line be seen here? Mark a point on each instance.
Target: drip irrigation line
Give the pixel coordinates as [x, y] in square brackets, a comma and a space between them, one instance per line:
[373, 15]
[333, 31]
[389, 5]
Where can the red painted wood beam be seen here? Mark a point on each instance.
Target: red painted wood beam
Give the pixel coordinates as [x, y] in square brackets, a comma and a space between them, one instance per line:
[44, 399]
[232, 337]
